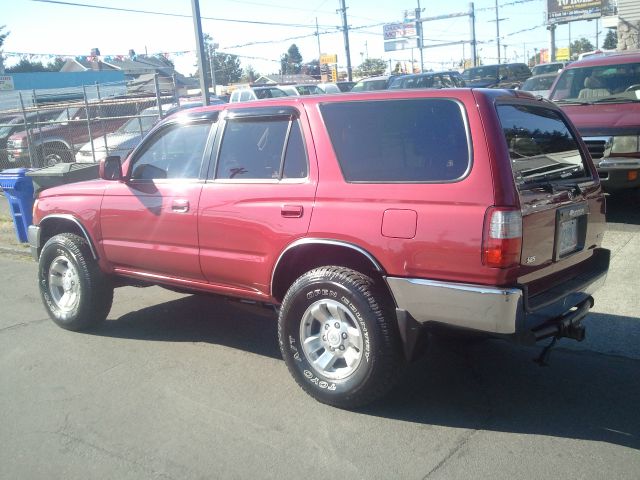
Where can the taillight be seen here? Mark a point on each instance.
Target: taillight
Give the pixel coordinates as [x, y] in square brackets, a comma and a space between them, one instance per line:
[502, 238]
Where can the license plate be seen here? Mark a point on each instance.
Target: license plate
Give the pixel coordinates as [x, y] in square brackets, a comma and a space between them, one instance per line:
[568, 241]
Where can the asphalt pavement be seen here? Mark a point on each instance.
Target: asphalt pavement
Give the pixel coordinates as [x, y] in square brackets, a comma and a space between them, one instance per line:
[190, 387]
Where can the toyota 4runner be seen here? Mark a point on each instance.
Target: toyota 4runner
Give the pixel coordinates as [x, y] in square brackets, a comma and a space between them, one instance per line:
[364, 218]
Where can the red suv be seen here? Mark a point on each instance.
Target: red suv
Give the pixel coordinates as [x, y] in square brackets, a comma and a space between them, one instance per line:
[366, 219]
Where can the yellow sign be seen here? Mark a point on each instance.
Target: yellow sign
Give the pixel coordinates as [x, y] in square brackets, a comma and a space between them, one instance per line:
[334, 74]
[562, 54]
[328, 58]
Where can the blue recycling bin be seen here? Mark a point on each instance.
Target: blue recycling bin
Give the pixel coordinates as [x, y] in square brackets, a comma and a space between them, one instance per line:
[18, 189]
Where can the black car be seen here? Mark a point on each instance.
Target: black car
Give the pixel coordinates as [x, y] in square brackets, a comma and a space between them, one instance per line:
[504, 75]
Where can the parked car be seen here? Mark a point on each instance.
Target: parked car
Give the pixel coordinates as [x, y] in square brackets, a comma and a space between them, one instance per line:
[553, 67]
[539, 84]
[11, 124]
[329, 87]
[125, 138]
[428, 80]
[367, 219]
[345, 86]
[373, 83]
[75, 125]
[289, 90]
[504, 75]
[256, 93]
[601, 95]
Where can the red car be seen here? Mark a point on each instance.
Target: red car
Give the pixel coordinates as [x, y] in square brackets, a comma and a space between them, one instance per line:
[367, 219]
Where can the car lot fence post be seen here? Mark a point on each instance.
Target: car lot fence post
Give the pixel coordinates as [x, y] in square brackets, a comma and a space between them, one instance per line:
[86, 106]
[156, 84]
[26, 129]
[104, 135]
[35, 102]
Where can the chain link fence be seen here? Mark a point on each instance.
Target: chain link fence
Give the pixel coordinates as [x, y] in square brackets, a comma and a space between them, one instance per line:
[81, 125]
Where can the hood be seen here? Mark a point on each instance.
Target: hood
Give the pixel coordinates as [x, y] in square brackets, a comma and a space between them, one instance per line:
[83, 188]
[605, 119]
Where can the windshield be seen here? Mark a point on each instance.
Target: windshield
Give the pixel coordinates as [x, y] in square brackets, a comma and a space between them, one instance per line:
[480, 73]
[538, 83]
[599, 84]
[546, 68]
[541, 146]
[68, 114]
[139, 125]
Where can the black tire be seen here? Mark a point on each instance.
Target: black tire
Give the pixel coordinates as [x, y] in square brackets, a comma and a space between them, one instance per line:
[75, 292]
[345, 318]
[54, 154]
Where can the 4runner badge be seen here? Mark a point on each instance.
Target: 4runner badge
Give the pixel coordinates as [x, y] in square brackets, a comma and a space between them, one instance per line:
[530, 260]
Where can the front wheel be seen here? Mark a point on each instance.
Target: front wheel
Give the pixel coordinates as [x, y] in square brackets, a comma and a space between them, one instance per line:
[338, 337]
[75, 292]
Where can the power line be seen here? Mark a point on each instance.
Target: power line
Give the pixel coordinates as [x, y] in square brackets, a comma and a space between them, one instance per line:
[165, 14]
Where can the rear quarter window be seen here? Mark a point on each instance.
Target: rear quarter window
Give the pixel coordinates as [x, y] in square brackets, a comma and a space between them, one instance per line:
[409, 141]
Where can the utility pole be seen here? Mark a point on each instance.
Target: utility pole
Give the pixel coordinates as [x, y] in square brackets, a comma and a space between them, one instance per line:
[345, 32]
[318, 37]
[212, 65]
[420, 36]
[197, 26]
[472, 22]
[498, 30]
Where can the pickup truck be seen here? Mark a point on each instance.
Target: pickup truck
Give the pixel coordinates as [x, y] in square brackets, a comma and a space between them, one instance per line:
[368, 220]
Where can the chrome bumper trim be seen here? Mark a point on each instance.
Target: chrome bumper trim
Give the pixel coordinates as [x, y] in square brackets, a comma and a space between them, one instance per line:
[488, 309]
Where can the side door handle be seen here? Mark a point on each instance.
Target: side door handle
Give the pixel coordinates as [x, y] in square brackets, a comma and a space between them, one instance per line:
[292, 211]
[180, 205]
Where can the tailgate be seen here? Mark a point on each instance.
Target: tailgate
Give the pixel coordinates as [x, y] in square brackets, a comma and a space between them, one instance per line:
[561, 202]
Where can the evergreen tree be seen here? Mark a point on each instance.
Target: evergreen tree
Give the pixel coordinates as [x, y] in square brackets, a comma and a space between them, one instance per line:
[371, 67]
[291, 62]
[610, 41]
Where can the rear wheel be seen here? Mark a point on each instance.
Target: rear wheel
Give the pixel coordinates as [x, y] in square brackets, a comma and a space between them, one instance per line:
[53, 154]
[75, 292]
[339, 338]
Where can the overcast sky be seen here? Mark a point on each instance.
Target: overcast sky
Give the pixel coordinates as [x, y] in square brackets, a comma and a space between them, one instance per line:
[58, 29]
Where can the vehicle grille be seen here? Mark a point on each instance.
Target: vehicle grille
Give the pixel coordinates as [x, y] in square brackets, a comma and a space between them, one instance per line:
[596, 147]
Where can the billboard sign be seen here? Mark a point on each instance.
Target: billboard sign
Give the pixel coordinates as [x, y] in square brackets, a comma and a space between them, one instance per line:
[394, 31]
[562, 11]
[328, 58]
[400, 44]
[6, 83]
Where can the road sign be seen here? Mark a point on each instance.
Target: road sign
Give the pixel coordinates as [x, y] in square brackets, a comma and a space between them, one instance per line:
[394, 31]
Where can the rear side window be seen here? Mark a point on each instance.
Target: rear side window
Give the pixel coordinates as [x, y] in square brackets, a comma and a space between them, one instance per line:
[411, 141]
[262, 148]
[541, 146]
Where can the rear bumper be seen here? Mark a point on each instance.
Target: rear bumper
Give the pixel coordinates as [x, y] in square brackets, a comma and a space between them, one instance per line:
[494, 310]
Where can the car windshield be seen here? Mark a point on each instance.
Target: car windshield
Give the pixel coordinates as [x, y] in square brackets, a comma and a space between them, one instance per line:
[366, 85]
[139, 125]
[541, 146]
[538, 83]
[68, 114]
[480, 73]
[603, 83]
[546, 68]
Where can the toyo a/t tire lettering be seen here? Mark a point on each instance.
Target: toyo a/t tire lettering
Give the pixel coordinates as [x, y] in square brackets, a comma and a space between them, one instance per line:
[74, 291]
[339, 338]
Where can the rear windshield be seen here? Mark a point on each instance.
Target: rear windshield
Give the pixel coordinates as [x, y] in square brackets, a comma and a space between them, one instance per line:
[409, 141]
[541, 146]
[480, 73]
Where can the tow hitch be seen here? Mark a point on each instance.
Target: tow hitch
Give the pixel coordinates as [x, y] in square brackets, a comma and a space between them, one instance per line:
[568, 325]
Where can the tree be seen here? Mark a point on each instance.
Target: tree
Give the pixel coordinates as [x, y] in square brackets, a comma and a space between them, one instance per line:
[291, 62]
[580, 46]
[227, 66]
[610, 41]
[27, 66]
[249, 75]
[2, 37]
[371, 67]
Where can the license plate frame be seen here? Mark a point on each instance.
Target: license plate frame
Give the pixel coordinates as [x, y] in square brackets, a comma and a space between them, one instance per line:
[571, 230]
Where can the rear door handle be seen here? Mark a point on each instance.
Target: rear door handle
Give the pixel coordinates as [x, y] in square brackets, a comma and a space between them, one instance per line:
[292, 211]
[180, 205]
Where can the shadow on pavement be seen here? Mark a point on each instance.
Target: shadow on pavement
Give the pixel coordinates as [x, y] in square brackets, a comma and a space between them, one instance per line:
[624, 207]
[459, 382]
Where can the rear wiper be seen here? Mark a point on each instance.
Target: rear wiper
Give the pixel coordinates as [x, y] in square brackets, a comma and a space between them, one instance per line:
[616, 100]
[552, 187]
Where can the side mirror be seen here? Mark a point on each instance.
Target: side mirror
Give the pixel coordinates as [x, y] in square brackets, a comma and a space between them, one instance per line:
[110, 168]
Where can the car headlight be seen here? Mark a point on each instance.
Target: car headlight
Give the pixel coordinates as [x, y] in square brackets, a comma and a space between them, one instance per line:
[625, 144]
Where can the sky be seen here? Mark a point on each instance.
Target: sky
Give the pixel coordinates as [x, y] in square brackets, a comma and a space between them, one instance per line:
[57, 29]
